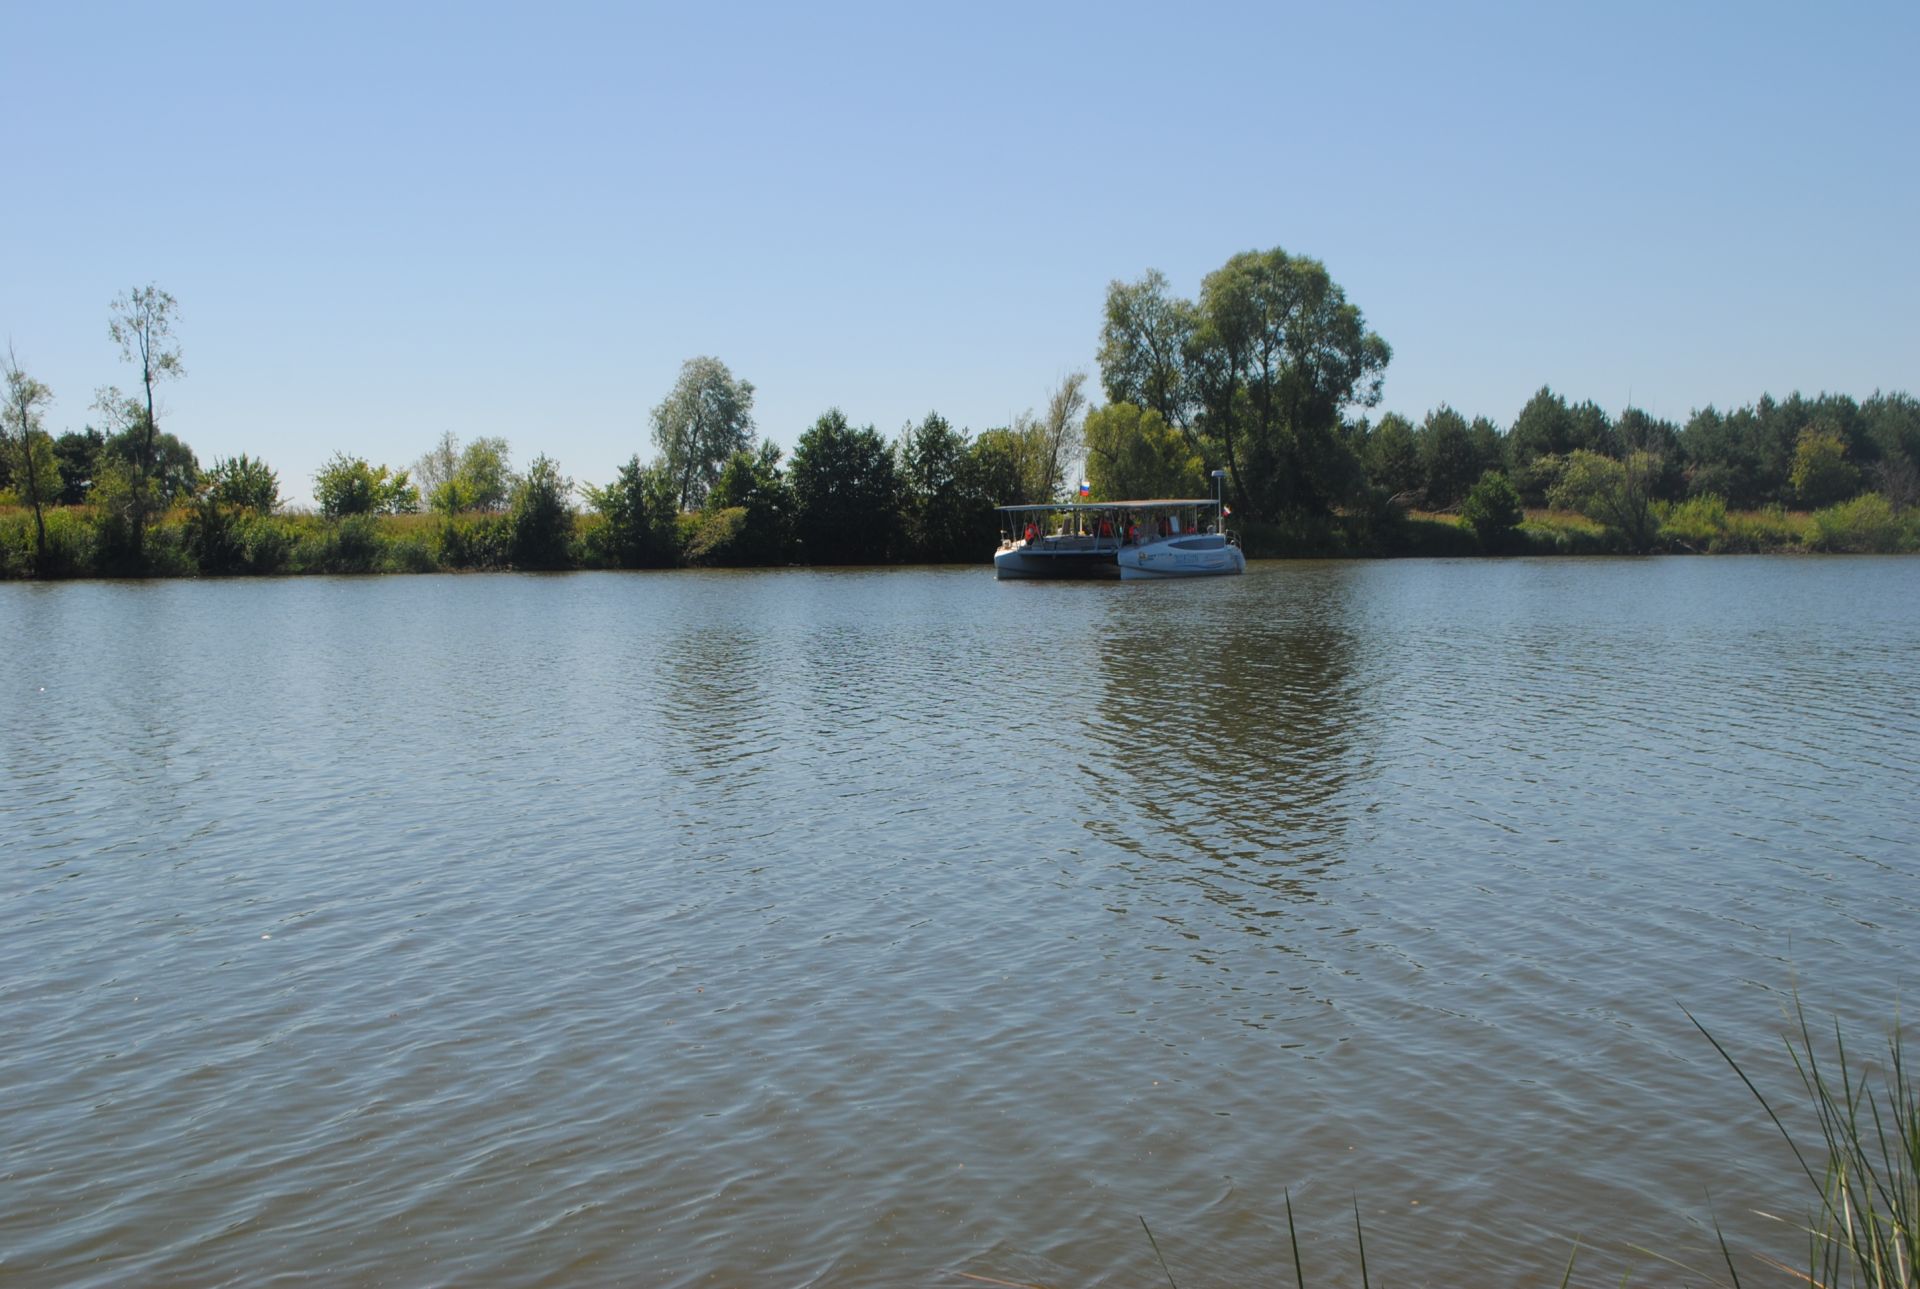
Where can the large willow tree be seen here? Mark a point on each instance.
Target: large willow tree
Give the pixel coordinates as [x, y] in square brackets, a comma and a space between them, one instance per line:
[1258, 372]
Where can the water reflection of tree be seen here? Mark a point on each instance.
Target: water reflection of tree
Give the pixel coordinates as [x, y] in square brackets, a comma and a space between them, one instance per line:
[1233, 721]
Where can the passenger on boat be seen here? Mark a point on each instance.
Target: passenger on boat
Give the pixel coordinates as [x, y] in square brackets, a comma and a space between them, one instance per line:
[1106, 527]
[1033, 532]
[1161, 527]
[1133, 533]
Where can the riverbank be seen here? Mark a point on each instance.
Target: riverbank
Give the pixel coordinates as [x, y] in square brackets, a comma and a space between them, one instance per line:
[193, 542]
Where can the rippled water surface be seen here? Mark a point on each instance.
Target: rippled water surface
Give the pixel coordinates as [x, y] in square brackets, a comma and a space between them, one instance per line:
[906, 927]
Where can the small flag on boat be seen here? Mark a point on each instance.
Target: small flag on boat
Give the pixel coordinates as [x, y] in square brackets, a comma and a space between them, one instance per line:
[1086, 489]
[1226, 510]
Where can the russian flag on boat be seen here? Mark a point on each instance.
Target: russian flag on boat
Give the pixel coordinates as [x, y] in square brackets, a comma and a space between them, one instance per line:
[1086, 489]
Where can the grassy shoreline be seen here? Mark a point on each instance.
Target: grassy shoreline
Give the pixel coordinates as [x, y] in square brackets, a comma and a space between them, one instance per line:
[185, 542]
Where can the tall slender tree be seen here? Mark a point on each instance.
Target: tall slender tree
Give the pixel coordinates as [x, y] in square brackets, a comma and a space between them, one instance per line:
[141, 323]
[21, 432]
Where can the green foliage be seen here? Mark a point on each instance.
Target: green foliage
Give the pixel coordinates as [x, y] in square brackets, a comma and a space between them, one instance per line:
[119, 513]
[1617, 494]
[407, 554]
[703, 421]
[1144, 345]
[714, 537]
[1699, 524]
[1448, 463]
[172, 471]
[1821, 474]
[476, 477]
[1536, 480]
[1391, 455]
[1492, 510]
[942, 504]
[846, 494]
[540, 520]
[29, 470]
[1276, 356]
[1865, 525]
[639, 514]
[69, 544]
[1133, 454]
[348, 485]
[471, 542]
[245, 484]
[1544, 428]
[77, 451]
[751, 482]
[352, 545]
[212, 536]
[1433, 539]
[266, 543]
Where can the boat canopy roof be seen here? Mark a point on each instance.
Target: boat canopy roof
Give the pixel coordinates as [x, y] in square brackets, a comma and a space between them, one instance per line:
[1056, 507]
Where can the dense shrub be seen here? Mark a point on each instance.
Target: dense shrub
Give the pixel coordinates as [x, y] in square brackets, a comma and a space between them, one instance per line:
[1492, 510]
[539, 520]
[1866, 524]
[1699, 523]
[471, 541]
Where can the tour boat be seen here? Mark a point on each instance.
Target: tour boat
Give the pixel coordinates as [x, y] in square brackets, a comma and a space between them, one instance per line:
[1132, 540]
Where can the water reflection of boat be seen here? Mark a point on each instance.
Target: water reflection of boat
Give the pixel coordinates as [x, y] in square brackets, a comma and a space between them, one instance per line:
[1167, 537]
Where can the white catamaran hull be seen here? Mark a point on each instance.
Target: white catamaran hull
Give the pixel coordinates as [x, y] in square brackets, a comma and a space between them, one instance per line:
[1200, 555]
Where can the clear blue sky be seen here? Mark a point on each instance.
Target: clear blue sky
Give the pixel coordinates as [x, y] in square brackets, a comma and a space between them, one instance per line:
[387, 221]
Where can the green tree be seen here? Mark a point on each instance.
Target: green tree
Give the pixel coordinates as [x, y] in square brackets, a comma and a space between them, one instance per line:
[1617, 494]
[78, 453]
[1717, 457]
[1892, 422]
[437, 466]
[704, 420]
[1143, 348]
[1589, 430]
[1448, 462]
[1133, 454]
[938, 507]
[478, 476]
[1822, 475]
[1543, 428]
[33, 471]
[752, 483]
[1489, 445]
[1492, 510]
[845, 492]
[539, 517]
[638, 509]
[141, 323]
[1636, 432]
[1058, 441]
[348, 485]
[173, 471]
[244, 484]
[1391, 455]
[1277, 355]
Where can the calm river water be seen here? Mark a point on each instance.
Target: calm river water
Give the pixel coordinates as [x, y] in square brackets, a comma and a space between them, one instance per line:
[906, 927]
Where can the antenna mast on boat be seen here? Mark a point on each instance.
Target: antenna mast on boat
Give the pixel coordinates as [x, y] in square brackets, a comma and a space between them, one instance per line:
[1220, 502]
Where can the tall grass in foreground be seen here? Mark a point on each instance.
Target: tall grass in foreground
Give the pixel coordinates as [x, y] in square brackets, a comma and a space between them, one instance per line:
[1865, 1230]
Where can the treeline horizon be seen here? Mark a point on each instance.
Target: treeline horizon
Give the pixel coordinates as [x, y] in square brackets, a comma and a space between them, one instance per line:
[1269, 375]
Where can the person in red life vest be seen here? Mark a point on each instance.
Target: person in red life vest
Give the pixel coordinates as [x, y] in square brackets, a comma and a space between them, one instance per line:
[1033, 532]
[1133, 533]
[1106, 526]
